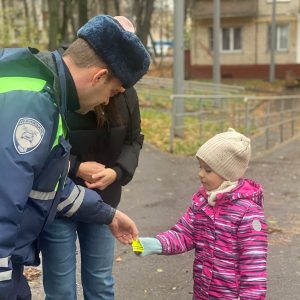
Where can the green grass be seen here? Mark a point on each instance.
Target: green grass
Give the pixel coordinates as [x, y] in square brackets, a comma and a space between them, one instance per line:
[156, 107]
[156, 128]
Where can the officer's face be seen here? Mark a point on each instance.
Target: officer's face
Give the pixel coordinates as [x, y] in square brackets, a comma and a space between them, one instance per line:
[100, 91]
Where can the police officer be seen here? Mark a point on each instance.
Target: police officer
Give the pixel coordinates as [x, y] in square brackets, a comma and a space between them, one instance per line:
[36, 90]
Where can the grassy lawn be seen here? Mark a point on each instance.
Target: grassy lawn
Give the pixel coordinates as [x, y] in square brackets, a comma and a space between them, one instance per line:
[156, 107]
[156, 128]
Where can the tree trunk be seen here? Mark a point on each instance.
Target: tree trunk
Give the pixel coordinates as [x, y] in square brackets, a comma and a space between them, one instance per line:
[27, 21]
[117, 7]
[104, 5]
[4, 25]
[68, 12]
[64, 26]
[82, 12]
[53, 6]
[142, 11]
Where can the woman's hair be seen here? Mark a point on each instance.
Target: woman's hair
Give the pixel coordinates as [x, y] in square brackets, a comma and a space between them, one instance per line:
[83, 56]
[109, 112]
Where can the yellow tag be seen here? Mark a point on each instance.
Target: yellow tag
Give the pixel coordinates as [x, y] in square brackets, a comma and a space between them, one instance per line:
[137, 246]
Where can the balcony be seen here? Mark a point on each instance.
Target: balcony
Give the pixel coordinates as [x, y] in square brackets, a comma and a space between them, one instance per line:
[203, 9]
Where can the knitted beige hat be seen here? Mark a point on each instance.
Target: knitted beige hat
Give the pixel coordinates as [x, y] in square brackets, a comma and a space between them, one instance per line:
[227, 153]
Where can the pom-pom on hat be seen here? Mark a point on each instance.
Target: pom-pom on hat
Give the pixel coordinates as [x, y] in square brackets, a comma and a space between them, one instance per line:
[121, 50]
[227, 154]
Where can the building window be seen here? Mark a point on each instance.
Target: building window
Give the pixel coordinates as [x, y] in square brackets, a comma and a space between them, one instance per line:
[281, 37]
[231, 39]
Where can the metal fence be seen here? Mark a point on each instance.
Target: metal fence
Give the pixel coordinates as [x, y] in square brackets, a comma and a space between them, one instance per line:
[267, 120]
[190, 86]
[157, 91]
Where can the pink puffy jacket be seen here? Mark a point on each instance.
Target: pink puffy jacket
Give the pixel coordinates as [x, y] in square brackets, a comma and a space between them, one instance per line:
[230, 242]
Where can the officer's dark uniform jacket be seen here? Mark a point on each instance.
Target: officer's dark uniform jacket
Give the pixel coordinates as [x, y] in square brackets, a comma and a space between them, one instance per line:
[34, 160]
[117, 145]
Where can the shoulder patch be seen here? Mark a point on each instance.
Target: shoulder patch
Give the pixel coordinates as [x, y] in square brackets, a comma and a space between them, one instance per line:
[256, 225]
[28, 134]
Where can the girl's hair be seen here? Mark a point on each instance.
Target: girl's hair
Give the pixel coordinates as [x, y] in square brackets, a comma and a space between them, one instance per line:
[83, 56]
[109, 112]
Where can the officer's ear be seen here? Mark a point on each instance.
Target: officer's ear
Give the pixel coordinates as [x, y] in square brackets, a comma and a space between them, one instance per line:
[100, 75]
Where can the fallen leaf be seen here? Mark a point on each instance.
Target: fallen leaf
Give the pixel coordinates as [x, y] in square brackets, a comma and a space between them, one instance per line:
[119, 259]
[31, 273]
[274, 229]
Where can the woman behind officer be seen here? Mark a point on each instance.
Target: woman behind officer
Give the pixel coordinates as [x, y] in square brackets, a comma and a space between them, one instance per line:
[105, 148]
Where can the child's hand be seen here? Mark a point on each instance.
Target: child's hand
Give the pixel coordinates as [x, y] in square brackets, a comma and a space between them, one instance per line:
[137, 247]
[146, 246]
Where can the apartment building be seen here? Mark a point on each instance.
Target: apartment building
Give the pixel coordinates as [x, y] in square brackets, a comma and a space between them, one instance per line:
[245, 38]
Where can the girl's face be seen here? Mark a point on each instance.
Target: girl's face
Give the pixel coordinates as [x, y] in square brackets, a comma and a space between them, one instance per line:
[209, 179]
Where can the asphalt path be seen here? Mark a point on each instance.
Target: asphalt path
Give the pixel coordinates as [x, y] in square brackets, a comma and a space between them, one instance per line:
[160, 192]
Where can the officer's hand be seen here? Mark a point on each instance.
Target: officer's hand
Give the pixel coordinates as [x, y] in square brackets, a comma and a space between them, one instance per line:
[123, 228]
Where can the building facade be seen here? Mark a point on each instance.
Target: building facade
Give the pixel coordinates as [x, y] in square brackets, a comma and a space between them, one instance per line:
[245, 39]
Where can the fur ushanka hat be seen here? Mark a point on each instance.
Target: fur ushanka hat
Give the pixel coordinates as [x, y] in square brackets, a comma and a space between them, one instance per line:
[121, 50]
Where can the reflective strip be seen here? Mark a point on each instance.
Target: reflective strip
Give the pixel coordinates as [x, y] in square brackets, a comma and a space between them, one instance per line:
[75, 198]
[70, 199]
[42, 195]
[57, 185]
[8, 84]
[77, 203]
[4, 262]
[5, 275]
[60, 131]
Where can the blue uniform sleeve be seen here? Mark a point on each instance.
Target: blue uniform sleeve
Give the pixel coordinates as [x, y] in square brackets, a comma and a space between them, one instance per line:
[25, 140]
[83, 204]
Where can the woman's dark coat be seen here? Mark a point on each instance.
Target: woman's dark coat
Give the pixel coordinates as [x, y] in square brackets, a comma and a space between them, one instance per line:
[116, 146]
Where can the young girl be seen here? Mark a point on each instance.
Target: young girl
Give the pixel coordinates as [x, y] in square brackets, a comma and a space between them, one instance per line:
[225, 224]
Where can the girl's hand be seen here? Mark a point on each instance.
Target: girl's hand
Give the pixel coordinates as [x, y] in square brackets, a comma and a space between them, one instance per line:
[146, 246]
